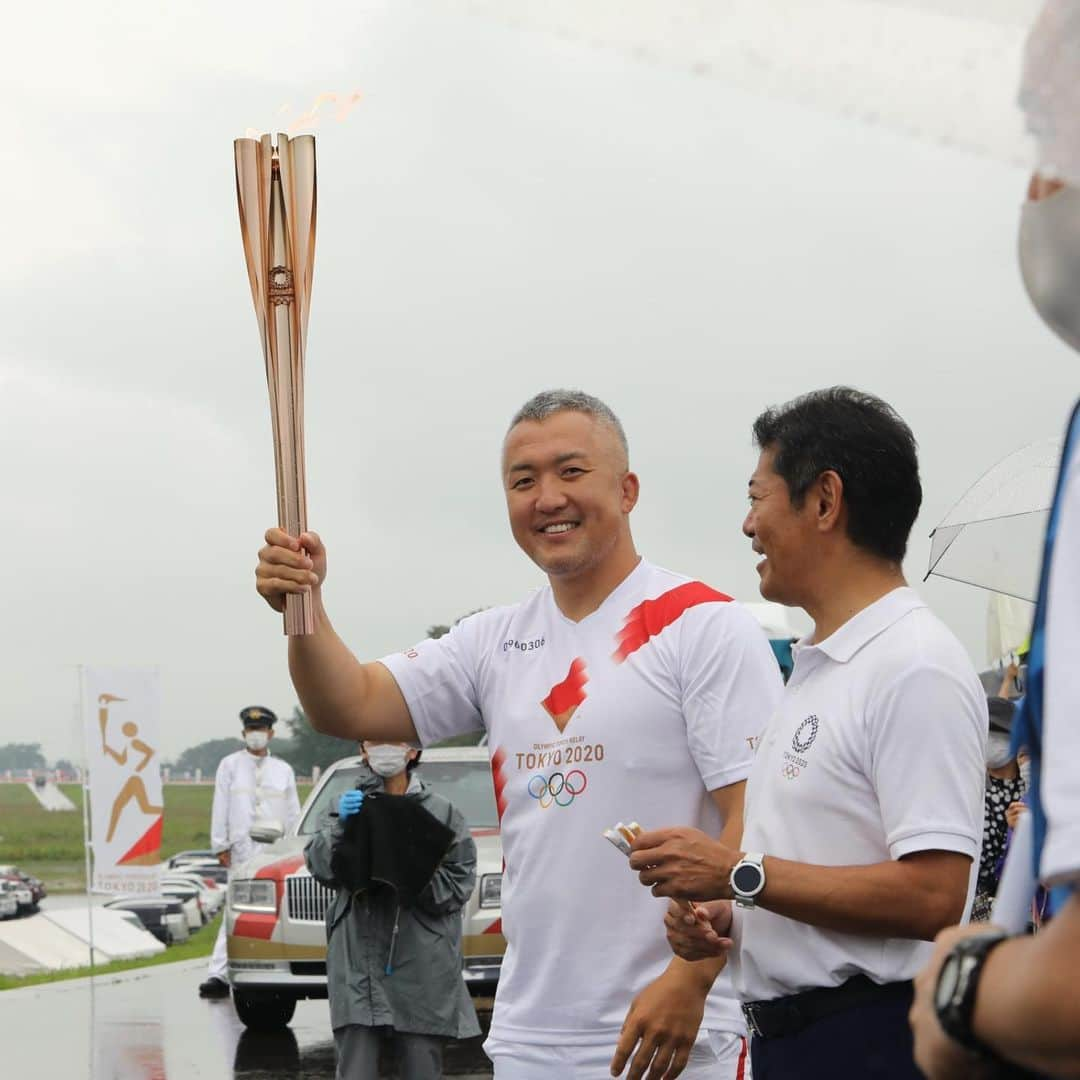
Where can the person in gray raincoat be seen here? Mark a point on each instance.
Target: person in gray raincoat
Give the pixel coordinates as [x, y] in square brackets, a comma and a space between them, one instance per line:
[390, 965]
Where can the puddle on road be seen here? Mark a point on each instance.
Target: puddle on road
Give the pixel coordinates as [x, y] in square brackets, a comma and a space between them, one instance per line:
[152, 1025]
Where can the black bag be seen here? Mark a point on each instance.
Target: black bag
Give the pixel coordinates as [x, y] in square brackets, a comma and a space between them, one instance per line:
[392, 840]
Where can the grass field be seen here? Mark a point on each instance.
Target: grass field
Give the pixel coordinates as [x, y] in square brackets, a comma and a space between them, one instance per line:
[50, 843]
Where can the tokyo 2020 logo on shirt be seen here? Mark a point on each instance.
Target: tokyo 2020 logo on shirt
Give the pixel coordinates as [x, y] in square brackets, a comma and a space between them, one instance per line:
[558, 789]
[805, 734]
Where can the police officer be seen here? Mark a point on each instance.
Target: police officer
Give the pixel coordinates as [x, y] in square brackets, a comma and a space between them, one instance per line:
[250, 786]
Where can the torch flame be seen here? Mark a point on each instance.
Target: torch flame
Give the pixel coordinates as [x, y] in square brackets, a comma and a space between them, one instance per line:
[344, 104]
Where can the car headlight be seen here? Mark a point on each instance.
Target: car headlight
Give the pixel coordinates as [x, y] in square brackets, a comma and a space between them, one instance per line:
[490, 890]
[253, 895]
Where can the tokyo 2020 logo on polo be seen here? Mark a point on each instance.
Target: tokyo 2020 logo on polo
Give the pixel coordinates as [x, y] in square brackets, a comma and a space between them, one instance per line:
[559, 789]
[805, 734]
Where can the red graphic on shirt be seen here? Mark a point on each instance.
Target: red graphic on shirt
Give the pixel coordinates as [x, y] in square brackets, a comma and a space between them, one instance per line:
[566, 696]
[498, 778]
[652, 616]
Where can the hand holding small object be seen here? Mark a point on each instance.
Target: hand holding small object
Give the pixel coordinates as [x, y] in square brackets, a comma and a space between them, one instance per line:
[350, 803]
[623, 836]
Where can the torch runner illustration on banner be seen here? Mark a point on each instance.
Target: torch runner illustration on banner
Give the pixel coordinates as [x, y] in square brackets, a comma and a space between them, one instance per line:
[134, 787]
[275, 189]
[121, 707]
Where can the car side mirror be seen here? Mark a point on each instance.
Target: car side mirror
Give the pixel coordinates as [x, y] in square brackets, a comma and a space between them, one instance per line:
[266, 831]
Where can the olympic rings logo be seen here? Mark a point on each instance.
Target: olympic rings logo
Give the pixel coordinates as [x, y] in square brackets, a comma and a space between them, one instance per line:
[558, 788]
[790, 771]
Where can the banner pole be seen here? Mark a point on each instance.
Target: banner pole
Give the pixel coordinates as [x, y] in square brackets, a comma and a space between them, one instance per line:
[86, 813]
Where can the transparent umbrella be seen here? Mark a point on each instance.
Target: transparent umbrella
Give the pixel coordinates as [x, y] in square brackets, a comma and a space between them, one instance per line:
[942, 71]
[993, 536]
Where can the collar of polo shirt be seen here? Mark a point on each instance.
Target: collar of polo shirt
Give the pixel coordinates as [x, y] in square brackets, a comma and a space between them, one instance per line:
[862, 628]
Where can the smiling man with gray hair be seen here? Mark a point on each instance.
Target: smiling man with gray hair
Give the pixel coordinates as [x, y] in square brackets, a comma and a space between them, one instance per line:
[618, 689]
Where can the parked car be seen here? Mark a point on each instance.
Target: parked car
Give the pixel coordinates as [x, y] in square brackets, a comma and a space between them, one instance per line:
[188, 895]
[211, 896]
[131, 918]
[24, 898]
[163, 916]
[36, 886]
[210, 869]
[191, 856]
[9, 906]
[275, 912]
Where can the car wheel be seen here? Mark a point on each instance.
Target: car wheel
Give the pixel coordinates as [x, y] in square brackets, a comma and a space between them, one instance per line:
[265, 1011]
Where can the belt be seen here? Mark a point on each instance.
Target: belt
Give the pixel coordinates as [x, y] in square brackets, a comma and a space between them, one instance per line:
[790, 1015]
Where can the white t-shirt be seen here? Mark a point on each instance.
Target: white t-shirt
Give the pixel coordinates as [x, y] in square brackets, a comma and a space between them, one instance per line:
[877, 750]
[1059, 790]
[635, 713]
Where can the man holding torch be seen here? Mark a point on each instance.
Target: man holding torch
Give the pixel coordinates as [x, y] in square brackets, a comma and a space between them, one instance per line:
[619, 689]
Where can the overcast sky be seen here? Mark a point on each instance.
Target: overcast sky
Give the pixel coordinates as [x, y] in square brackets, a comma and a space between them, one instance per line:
[506, 210]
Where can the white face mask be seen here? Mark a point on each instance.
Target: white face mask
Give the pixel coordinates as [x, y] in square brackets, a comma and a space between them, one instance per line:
[1050, 260]
[256, 740]
[387, 760]
[998, 753]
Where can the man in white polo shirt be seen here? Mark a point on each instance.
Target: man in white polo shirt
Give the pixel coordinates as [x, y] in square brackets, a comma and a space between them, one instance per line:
[619, 691]
[864, 805]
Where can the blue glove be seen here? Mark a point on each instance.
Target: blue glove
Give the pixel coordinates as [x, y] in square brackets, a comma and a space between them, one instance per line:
[349, 804]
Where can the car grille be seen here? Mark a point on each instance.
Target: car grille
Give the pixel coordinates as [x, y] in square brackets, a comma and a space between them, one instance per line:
[307, 900]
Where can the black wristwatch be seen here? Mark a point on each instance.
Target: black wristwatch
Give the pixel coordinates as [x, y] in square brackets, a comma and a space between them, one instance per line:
[957, 985]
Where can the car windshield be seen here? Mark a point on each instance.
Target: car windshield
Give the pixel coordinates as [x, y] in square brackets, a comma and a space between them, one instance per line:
[466, 784]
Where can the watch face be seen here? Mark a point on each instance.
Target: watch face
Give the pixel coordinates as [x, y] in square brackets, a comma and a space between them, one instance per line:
[946, 984]
[746, 879]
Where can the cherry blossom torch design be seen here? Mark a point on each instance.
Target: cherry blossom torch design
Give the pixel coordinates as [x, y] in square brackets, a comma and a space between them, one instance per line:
[275, 188]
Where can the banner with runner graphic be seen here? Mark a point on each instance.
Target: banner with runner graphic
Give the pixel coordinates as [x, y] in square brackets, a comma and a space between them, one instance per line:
[120, 709]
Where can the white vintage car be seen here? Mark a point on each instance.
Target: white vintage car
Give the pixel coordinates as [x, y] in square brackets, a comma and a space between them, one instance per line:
[275, 910]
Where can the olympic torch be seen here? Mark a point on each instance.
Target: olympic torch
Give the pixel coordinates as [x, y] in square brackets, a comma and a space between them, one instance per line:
[275, 189]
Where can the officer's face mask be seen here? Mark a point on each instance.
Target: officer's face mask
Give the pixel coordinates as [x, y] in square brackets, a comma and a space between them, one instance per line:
[256, 740]
[386, 759]
[1050, 260]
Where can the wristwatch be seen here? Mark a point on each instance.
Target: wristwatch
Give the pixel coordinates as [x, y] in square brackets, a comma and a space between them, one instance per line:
[957, 985]
[747, 879]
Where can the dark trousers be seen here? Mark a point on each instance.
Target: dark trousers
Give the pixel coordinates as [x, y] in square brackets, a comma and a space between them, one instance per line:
[358, 1053]
[865, 1042]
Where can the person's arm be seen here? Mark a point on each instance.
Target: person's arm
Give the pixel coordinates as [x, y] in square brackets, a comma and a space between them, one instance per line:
[913, 897]
[1026, 1008]
[664, 1019]
[219, 814]
[729, 683]
[318, 854]
[340, 695]
[1008, 681]
[454, 879]
[925, 756]
[292, 803]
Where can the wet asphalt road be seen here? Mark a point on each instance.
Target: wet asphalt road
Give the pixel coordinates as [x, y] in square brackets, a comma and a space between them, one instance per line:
[151, 1025]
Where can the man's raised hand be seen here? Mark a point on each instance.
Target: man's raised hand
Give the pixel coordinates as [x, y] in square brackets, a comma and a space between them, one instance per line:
[289, 564]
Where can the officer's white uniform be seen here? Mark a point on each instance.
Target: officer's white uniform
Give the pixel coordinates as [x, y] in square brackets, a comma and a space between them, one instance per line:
[246, 789]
